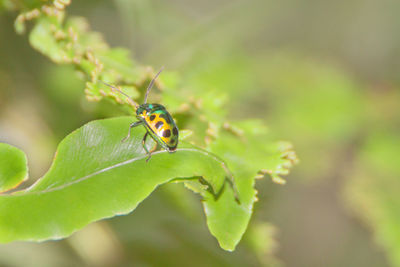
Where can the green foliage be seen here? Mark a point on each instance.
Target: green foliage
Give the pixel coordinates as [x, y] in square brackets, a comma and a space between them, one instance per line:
[374, 190]
[260, 238]
[95, 176]
[373, 187]
[13, 167]
[322, 104]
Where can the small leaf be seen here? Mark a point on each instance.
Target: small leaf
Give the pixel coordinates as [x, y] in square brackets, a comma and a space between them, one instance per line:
[42, 38]
[120, 62]
[245, 156]
[13, 167]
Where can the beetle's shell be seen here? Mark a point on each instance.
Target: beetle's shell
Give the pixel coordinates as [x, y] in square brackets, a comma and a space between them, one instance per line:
[160, 125]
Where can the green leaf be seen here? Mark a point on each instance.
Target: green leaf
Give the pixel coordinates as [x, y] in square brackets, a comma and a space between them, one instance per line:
[42, 38]
[95, 176]
[120, 62]
[13, 167]
[246, 148]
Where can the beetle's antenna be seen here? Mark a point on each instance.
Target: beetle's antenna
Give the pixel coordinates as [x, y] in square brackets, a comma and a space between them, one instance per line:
[117, 90]
[151, 84]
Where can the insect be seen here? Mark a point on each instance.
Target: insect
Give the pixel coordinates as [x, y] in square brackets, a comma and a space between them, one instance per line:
[156, 119]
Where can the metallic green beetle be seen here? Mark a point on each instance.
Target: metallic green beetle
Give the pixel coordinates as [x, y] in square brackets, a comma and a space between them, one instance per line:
[157, 121]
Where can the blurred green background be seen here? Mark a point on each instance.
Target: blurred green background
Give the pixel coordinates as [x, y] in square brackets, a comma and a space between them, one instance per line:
[323, 75]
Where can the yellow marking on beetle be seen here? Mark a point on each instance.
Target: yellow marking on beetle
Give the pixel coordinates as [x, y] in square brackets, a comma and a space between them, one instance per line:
[163, 127]
[153, 122]
[161, 130]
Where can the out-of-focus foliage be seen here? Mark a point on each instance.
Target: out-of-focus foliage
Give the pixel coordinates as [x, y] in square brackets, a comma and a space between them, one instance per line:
[328, 114]
[261, 239]
[373, 188]
[320, 103]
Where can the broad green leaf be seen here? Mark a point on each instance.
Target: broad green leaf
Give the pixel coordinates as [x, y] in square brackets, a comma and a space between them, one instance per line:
[13, 167]
[95, 176]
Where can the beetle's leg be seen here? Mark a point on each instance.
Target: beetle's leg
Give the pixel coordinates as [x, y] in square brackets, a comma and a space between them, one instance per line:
[136, 123]
[144, 142]
[145, 148]
[151, 151]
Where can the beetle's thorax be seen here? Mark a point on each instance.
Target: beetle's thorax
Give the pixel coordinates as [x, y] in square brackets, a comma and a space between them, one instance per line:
[145, 109]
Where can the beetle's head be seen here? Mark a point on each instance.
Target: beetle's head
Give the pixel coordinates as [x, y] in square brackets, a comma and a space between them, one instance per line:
[142, 110]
